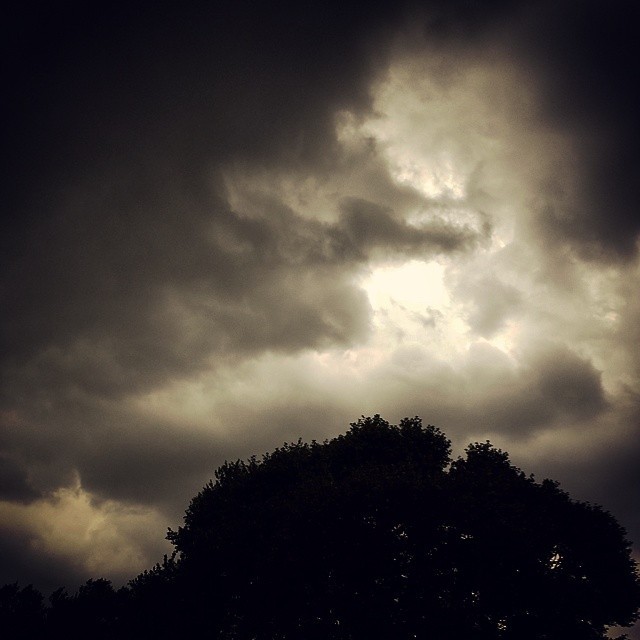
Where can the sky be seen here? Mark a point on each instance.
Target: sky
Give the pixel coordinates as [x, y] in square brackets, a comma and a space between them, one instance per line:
[231, 225]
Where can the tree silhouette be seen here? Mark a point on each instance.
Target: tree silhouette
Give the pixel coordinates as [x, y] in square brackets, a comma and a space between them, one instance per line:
[21, 611]
[373, 534]
[94, 611]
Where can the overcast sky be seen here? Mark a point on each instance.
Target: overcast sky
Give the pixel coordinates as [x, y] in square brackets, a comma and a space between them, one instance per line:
[232, 226]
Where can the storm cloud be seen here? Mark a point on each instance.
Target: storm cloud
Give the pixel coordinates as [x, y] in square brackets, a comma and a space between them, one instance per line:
[229, 226]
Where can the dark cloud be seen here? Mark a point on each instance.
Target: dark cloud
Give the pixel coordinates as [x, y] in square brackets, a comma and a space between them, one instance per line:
[186, 85]
[103, 304]
[28, 565]
[181, 212]
[115, 453]
[580, 54]
[490, 394]
[130, 130]
[569, 383]
[116, 121]
[371, 227]
[14, 481]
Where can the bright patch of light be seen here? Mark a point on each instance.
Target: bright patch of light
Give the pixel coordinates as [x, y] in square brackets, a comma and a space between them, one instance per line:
[412, 306]
[415, 286]
[426, 132]
[433, 177]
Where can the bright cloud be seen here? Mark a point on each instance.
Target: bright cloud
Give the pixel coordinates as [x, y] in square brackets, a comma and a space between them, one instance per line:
[102, 538]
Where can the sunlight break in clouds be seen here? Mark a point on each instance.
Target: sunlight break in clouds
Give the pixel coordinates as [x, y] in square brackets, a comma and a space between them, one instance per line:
[415, 285]
[411, 304]
[435, 133]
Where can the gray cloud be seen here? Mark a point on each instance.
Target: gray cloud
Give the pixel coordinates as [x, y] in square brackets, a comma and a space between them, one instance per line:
[371, 227]
[14, 481]
[492, 303]
[194, 205]
[580, 57]
[102, 298]
[489, 394]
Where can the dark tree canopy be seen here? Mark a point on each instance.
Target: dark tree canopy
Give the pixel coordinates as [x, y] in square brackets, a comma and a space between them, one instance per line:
[375, 534]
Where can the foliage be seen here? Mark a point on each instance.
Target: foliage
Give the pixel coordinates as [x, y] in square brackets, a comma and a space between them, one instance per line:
[375, 534]
[21, 611]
